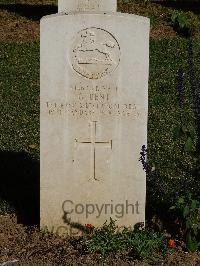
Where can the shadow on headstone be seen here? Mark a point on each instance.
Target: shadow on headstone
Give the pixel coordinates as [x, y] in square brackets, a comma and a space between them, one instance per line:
[32, 12]
[19, 185]
[67, 220]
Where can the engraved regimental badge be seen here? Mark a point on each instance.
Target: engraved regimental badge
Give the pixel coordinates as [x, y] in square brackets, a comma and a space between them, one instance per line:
[95, 53]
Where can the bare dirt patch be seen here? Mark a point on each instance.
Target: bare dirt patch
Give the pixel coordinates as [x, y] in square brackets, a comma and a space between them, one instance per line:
[30, 247]
[19, 30]
[163, 31]
[20, 21]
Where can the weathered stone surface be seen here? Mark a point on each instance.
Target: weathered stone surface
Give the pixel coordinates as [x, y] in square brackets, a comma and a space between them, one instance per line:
[87, 5]
[94, 107]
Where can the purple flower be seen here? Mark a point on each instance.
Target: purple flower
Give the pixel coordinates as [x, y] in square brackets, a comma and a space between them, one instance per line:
[142, 159]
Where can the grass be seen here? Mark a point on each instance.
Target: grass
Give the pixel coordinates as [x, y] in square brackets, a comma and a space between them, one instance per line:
[19, 130]
[164, 112]
[173, 165]
[19, 98]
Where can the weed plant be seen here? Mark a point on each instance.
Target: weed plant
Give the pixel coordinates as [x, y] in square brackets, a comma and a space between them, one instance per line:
[126, 243]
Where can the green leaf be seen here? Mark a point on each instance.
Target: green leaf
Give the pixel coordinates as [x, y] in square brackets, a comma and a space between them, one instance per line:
[192, 132]
[188, 224]
[186, 211]
[191, 242]
[182, 21]
[174, 17]
[184, 129]
[181, 200]
[194, 205]
[189, 145]
[177, 133]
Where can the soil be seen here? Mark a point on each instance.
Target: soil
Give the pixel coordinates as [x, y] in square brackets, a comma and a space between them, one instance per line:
[29, 246]
[17, 30]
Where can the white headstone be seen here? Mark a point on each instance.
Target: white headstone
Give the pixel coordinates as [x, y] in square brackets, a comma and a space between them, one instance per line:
[94, 107]
[87, 5]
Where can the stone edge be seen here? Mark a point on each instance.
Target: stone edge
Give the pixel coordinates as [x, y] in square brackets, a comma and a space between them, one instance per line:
[117, 14]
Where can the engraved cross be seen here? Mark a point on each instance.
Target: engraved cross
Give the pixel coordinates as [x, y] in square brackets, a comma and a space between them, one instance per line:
[94, 144]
